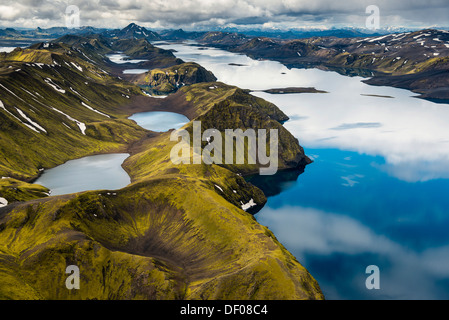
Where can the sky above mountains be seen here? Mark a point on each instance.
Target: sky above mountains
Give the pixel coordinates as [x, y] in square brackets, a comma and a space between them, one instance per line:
[210, 14]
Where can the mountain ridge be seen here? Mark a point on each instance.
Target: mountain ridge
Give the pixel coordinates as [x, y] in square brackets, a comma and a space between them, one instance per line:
[410, 60]
[172, 233]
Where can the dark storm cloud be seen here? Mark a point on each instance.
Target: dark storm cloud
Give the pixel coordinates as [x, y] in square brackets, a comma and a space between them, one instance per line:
[251, 20]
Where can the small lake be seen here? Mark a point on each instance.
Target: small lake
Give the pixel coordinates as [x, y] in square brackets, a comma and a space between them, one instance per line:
[159, 121]
[89, 173]
[376, 193]
[104, 171]
[121, 58]
[135, 71]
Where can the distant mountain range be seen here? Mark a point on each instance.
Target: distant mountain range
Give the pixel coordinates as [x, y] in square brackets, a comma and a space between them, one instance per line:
[50, 33]
[132, 31]
[418, 61]
[415, 60]
[138, 32]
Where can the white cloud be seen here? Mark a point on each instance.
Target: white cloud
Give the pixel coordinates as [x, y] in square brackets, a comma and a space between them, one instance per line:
[196, 13]
[9, 12]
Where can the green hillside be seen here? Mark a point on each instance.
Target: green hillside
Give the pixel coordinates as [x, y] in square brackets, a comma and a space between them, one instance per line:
[177, 232]
[56, 106]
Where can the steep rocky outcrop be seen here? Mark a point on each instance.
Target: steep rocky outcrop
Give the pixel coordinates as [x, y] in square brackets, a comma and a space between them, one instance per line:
[170, 79]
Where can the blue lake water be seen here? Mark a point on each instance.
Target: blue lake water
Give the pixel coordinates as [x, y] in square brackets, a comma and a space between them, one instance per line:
[343, 214]
[376, 193]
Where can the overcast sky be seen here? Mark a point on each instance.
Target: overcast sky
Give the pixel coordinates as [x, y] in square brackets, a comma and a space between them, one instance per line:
[207, 14]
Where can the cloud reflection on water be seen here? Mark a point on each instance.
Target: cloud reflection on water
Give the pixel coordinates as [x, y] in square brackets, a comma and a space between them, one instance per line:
[313, 234]
[410, 133]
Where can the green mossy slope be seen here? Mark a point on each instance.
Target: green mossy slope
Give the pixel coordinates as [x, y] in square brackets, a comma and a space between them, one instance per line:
[15, 190]
[177, 232]
[55, 107]
[153, 240]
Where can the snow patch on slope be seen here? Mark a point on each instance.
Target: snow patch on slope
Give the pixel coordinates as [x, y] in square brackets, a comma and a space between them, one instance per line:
[53, 85]
[34, 124]
[94, 110]
[3, 202]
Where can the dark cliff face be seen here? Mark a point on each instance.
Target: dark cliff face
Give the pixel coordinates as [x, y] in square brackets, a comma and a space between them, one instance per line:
[232, 114]
[220, 106]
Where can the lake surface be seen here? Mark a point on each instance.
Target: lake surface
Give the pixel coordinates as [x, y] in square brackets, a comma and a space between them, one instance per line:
[104, 171]
[376, 193]
[7, 49]
[135, 71]
[159, 121]
[89, 173]
[121, 58]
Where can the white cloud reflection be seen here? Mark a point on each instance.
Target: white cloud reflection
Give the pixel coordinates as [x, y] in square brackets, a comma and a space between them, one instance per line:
[405, 273]
[409, 133]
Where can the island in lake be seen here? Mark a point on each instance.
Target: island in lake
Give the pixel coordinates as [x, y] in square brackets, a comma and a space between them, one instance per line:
[292, 90]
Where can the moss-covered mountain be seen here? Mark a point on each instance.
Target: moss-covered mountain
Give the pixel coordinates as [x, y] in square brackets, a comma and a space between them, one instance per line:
[62, 100]
[177, 232]
[165, 238]
[56, 106]
[95, 48]
[14, 190]
[170, 79]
